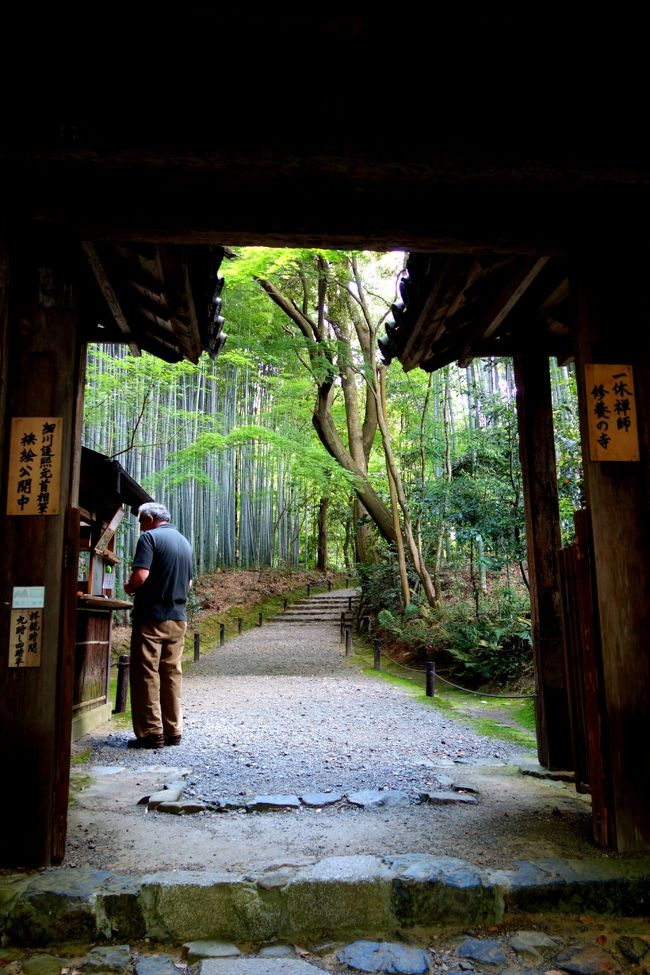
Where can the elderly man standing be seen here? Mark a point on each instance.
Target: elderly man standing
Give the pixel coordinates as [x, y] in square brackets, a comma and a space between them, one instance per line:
[160, 580]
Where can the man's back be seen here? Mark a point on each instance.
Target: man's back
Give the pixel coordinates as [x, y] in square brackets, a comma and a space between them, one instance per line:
[168, 556]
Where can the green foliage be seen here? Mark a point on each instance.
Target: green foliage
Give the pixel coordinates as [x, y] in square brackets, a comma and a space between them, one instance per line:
[380, 583]
[494, 647]
[568, 457]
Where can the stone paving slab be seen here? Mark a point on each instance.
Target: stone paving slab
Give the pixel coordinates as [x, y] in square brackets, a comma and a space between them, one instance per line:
[258, 966]
[577, 945]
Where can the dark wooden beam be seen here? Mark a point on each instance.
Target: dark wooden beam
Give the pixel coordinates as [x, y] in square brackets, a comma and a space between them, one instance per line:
[613, 311]
[537, 452]
[41, 348]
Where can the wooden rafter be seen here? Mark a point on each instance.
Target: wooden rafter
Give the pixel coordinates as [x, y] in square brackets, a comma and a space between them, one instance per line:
[500, 308]
[109, 294]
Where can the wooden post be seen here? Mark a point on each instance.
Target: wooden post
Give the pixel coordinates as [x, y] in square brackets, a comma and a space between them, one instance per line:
[240, 624]
[285, 603]
[308, 590]
[260, 619]
[329, 585]
[377, 660]
[342, 627]
[197, 646]
[41, 364]
[222, 634]
[613, 309]
[431, 678]
[537, 453]
[348, 638]
[123, 667]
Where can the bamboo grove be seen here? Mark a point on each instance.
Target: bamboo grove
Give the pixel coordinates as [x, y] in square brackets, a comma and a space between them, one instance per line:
[296, 448]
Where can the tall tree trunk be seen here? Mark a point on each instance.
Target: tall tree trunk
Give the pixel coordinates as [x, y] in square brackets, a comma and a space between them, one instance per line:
[323, 508]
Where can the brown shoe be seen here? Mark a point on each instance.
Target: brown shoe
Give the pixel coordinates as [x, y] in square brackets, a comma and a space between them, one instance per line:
[147, 741]
[172, 739]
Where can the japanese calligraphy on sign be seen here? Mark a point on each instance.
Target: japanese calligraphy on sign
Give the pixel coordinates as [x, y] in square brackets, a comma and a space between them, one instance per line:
[611, 412]
[25, 637]
[34, 471]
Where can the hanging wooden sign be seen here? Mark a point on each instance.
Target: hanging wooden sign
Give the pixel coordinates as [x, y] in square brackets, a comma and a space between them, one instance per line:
[26, 627]
[25, 637]
[34, 470]
[611, 412]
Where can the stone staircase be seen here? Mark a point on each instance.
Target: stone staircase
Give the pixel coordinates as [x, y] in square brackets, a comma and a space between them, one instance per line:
[326, 607]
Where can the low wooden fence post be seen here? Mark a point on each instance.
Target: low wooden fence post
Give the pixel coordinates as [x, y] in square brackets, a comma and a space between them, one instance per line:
[222, 634]
[348, 638]
[377, 661]
[431, 678]
[197, 646]
[240, 624]
[123, 667]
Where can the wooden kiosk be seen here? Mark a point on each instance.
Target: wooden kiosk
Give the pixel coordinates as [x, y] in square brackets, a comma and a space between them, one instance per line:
[105, 493]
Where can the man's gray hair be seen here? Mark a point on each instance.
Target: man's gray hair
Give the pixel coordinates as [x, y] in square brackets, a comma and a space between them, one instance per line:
[157, 511]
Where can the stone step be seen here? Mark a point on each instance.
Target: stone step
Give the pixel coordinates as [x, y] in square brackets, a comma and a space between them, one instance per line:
[334, 899]
[304, 619]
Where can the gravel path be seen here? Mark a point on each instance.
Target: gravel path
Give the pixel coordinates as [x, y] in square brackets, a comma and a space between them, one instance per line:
[280, 709]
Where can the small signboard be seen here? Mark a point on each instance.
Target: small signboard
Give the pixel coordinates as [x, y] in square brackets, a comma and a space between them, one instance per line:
[611, 412]
[25, 637]
[34, 470]
[28, 597]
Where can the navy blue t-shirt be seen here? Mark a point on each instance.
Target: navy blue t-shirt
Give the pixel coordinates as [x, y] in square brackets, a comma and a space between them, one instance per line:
[168, 556]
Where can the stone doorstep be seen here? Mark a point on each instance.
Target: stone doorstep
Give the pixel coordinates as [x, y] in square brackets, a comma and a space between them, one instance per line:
[337, 898]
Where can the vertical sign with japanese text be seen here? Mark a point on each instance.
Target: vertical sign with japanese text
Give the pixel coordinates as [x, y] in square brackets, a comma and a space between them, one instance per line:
[34, 471]
[611, 412]
[26, 628]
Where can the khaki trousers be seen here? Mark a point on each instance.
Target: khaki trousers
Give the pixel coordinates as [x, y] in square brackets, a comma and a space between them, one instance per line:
[156, 677]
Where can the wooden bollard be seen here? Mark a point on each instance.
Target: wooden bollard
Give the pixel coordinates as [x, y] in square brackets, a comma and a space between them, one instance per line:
[222, 634]
[431, 678]
[342, 627]
[308, 590]
[259, 619]
[329, 585]
[377, 661]
[348, 638]
[240, 624]
[197, 646]
[123, 667]
[285, 602]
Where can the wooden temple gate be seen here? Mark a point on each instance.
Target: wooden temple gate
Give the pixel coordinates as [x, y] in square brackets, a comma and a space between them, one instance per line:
[528, 216]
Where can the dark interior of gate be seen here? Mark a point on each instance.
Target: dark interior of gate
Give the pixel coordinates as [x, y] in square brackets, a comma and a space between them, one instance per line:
[141, 151]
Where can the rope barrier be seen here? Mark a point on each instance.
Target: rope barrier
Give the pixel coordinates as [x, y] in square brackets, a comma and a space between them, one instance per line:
[517, 697]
